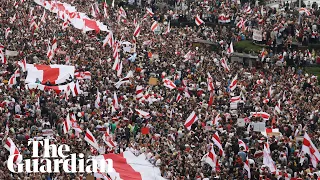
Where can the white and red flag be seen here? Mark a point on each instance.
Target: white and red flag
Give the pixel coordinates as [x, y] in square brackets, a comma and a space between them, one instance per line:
[33, 24]
[210, 83]
[304, 10]
[124, 80]
[230, 49]
[93, 11]
[8, 30]
[54, 44]
[127, 166]
[235, 99]
[10, 146]
[15, 4]
[169, 84]
[212, 158]
[12, 80]
[137, 30]
[97, 101]
[139, 92]
[246, 166]
[270, 130]
[76, 89]
[12, 19]
[17, 72]
[248, 10]
[122, 12]
[23, 64]
[119, 69]
[233, 83]
[224, 18]
[241, 23]
[66, 124]
[74, 123]
[267, 159]
[198, 20]
[43, 18]
[178, 98]
[115, 103]
[278, 107]
[309, 148]
[91, 139]
[108, 40]
[149, 11]
[216, 120]
[143, 114]
[188, 56]
[211, 97]
[263, 115]
[190, 120]
[105, 6]
[108, 140]
[270, 92]
[217, 142]
[224, 64]
[168, 28]
[243, 145]
[154, 26]
[55, 74]
[82, 75]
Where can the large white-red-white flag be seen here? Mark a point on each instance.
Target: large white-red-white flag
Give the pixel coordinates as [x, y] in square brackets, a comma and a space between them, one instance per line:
[55, 74]
[309, 148]
[190, 120]
[127, 166]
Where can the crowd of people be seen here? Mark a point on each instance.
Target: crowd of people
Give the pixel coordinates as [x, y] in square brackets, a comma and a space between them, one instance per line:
[169, 145]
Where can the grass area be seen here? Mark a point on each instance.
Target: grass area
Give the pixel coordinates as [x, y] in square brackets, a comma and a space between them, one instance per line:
[314, 70]
[246, 47]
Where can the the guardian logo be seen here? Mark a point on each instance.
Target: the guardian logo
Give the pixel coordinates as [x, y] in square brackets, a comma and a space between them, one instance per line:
[50, 163]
